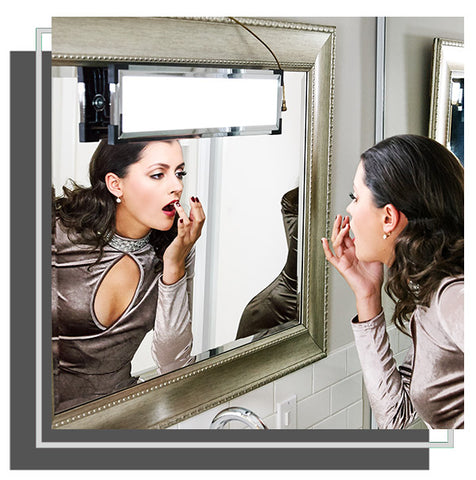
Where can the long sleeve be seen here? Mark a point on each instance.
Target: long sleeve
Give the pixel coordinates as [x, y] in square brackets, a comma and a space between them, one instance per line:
[387, 386]
[172, 337]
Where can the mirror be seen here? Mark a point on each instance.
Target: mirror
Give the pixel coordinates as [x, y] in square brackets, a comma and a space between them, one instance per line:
[249, 187]
[447, 95]
[243, 252]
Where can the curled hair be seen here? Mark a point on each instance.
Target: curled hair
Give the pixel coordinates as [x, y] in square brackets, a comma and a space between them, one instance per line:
[425, 182]
[90, 212]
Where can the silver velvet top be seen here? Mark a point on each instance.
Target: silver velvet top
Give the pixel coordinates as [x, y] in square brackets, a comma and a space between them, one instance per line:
[90, 360]
[430, 382]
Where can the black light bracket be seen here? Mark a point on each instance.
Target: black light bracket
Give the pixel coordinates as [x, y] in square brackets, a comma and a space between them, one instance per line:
[94, 103]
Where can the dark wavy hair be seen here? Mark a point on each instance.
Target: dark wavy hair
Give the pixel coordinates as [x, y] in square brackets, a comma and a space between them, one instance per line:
[90, 212]
[425, 181]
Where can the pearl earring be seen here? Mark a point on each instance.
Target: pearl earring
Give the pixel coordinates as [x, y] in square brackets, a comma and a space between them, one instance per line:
[386, 235]
[118, 200]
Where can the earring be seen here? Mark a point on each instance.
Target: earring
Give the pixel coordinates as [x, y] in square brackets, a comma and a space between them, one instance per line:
[118, 200]
[386, 235]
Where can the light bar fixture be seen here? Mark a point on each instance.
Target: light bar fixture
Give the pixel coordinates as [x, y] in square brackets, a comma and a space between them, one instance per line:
[147, 102]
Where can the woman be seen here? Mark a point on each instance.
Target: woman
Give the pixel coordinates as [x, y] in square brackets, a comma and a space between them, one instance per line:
[122, 264]
[407, 214]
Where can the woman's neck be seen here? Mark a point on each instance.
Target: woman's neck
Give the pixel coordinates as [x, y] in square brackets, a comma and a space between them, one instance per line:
[129, 229]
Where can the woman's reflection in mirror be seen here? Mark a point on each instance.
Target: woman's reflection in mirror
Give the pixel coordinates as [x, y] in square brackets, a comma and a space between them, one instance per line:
[122, 265]
[407, 213]
[277, 304]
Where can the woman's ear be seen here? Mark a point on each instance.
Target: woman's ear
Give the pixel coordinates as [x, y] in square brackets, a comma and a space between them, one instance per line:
[394, 219]
[113, 184]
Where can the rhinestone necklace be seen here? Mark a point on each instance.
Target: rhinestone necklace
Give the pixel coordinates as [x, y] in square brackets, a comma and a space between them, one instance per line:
[128, 244]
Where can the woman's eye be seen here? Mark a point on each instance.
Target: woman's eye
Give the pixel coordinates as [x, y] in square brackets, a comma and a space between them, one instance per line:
[157, 176]
[181, 174]
[352, 196]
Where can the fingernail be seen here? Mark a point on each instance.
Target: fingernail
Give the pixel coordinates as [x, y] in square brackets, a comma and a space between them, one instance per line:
[193, 199]
[196, 199]
[181, 220]
[177, 204]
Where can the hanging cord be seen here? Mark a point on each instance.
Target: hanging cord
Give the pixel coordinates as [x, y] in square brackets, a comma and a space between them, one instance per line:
[283, 104]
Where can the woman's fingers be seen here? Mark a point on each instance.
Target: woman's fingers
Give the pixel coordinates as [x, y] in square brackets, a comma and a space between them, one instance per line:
[183, 218]
[343, 234]
[327, 251]
[340, 238]
[339, 224]
[336, 227]
[191, 224]
[339, 243]
[196, 212]
[348, 242]
[180, 211]
[197, 216]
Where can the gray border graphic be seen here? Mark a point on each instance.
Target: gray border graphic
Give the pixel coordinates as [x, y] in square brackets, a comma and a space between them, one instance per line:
[34, 445]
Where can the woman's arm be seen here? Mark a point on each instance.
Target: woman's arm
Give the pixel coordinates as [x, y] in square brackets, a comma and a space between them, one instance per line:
[172, 337]
[189, 229]
[387, 386]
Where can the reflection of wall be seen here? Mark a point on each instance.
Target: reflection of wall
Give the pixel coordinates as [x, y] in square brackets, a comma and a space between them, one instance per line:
[70, 158]
[409, 70]
[332, 398]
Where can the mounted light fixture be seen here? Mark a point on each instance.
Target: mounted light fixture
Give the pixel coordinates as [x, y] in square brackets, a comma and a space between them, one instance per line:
[146, 102]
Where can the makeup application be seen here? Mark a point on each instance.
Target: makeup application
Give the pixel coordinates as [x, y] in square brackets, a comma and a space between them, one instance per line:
[169, 209]
[150, 190]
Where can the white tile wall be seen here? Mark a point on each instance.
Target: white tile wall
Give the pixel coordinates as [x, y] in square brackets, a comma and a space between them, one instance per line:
[329, 393]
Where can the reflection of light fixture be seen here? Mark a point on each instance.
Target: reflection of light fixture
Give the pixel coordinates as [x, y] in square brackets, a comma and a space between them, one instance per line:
[134, 102]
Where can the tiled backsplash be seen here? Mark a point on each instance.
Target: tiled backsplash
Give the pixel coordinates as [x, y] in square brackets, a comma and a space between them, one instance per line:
[329, 393]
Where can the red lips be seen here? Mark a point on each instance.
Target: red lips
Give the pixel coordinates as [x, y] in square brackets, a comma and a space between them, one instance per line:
[169, 209]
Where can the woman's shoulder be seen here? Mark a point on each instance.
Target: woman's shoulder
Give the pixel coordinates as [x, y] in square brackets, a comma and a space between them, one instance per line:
[64, 239]
[450, 290]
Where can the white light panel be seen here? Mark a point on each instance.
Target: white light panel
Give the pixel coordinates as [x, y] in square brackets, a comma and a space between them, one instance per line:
[204, 104]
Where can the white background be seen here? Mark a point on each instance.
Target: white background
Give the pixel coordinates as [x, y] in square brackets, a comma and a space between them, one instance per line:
[19, 22]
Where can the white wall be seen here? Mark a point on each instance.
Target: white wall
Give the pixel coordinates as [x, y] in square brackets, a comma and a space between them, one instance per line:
[329, 393]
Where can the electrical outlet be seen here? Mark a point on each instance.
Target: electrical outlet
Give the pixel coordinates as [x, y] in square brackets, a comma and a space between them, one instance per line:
[287, 414]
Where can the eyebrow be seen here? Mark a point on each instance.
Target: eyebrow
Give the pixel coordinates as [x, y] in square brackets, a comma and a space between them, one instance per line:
[166, 166]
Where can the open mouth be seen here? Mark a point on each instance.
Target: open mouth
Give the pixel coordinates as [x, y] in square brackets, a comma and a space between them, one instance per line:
[169, 209]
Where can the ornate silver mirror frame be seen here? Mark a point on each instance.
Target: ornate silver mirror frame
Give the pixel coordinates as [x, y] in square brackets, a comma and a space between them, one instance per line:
[448, 61]
[171, 398]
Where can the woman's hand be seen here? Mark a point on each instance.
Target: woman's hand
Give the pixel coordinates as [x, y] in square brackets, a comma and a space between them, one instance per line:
[364, 278]
[189, 229]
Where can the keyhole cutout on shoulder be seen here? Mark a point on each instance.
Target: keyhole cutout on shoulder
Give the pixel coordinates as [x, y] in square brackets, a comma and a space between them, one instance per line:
[116, 291]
